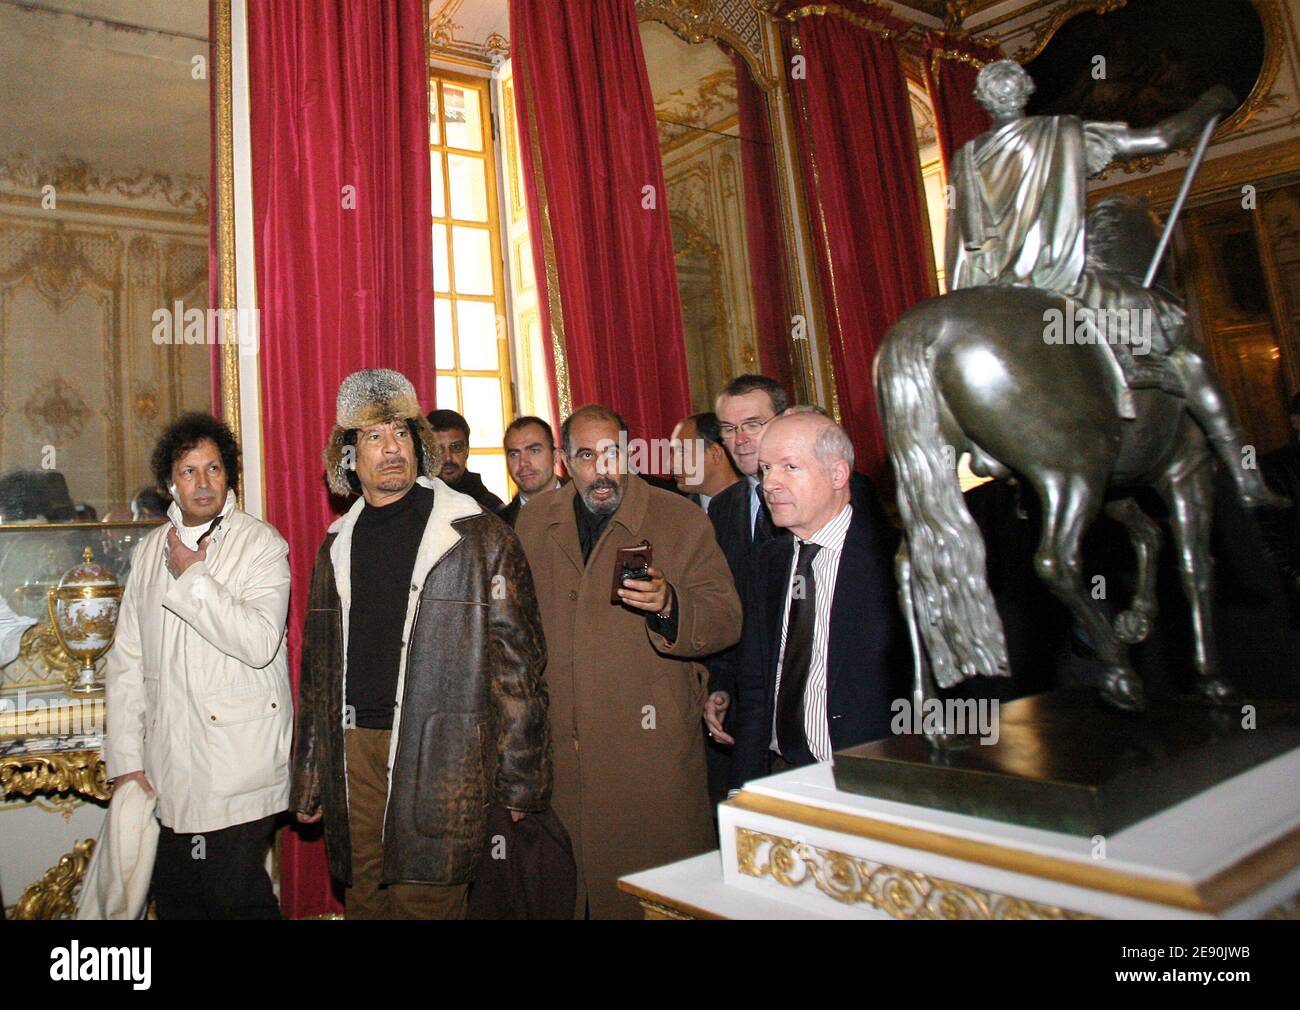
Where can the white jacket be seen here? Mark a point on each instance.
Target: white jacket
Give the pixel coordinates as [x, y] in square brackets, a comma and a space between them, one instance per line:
[197, 682]
[116, 885]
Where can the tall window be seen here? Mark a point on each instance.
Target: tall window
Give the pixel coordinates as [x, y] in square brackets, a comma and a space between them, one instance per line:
[471, 351]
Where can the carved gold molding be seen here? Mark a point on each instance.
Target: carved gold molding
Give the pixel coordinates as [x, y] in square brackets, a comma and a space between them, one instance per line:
[821, 10]
[655, 910]
[713, 93]
[71, 209]
[64, 806]
[225, 237]
[443, 44]
[734, 22]
[1259, 99]
[1222, 173]
[186, 193]
[82, 772]
[1052, 25]
[40, 647]
[902, 894]
[1228, 887]
[54, 896]
[510, 131]
[698, 241]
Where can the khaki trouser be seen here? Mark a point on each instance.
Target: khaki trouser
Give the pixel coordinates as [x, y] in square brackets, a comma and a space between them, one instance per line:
[367, 898]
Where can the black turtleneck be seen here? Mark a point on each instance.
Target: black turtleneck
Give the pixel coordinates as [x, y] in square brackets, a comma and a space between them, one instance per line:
[384, 544]
[590, 526]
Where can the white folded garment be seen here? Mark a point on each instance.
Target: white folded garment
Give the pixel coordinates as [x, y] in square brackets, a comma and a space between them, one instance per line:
[116, 885]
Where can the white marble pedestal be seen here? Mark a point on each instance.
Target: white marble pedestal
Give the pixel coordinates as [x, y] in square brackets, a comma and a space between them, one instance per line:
[792, 846]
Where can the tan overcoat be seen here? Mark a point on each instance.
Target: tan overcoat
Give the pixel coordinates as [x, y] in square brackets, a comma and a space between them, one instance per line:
[625, 703]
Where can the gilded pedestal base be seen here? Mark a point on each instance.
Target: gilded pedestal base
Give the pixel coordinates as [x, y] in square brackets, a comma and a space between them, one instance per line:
[54, 896]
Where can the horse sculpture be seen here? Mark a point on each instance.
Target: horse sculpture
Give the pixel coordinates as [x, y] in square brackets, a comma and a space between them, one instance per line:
[971, 371]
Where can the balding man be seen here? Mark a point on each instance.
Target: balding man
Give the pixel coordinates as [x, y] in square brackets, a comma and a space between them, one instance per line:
[622, 664]
[822, 657]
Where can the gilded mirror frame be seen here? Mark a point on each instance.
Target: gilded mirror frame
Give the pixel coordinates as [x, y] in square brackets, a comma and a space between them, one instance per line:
[35, 647]
[224, 234]
[696, 21]
[1270, 16]
[225, 237]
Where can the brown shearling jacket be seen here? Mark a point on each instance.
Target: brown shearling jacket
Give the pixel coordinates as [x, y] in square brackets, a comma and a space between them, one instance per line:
[471, 725]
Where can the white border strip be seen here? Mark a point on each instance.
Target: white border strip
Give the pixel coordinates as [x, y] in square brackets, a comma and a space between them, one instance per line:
[250, 389]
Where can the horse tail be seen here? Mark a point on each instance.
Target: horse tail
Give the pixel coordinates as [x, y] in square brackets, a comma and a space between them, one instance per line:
[954, 607]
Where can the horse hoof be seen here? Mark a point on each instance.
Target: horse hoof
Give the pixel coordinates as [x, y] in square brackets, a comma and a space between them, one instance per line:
[1264, 498]
[1133, 626]
[1217, 690]
[1122, 690]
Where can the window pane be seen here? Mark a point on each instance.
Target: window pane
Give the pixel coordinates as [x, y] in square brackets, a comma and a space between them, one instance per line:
[468, 187]
[482, 410]
[440, 282]
[492, 468]
[473, 257]
[460, 108]
[435, 176]
[434, 136]
[445, 393]
[444, 347]
[478, 336]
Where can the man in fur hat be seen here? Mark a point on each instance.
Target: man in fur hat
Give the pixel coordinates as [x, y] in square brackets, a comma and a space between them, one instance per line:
[422, 629]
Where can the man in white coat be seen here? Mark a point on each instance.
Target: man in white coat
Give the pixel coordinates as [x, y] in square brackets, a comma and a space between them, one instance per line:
[198, 702]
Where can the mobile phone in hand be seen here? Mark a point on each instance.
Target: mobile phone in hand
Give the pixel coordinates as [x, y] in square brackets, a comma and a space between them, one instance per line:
[631, 564]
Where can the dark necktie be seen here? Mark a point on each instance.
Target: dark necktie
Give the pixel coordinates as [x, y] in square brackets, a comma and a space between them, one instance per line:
[762, 523]
[797, 658]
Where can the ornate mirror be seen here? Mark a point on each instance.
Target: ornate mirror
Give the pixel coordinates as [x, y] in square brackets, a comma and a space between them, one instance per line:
[724, 205]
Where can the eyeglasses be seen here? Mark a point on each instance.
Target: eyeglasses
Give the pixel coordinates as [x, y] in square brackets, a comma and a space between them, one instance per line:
[751, 428]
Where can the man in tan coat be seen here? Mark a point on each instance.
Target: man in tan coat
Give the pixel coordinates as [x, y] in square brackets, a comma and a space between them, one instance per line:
[625, 690]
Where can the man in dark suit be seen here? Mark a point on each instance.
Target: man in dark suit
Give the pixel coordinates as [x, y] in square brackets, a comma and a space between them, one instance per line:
[741, 525]
[530, 458]
[702, 466]
[821, 658]
[452, 433]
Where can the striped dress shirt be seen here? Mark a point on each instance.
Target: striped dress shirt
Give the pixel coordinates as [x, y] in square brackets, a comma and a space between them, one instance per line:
[826, 566]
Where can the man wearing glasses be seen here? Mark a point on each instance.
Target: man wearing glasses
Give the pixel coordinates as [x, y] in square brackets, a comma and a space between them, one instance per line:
[742, 525]
[451, 431]
[623, 650]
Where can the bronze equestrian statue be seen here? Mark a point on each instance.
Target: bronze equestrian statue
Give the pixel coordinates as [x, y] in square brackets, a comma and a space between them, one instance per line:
[1052, 364]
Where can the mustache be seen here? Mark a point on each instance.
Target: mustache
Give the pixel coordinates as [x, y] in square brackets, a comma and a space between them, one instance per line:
[602, 482]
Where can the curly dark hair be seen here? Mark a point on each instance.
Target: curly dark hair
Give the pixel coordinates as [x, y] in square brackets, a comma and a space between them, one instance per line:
[186, 432]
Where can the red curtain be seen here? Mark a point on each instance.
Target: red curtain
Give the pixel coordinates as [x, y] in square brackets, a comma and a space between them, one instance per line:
[764, 230]
[596, 201]
[340, 138]
[951, 64]
[853, 126]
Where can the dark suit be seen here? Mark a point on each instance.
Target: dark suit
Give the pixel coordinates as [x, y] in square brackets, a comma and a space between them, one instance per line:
[472, 484]
[509, 513]
[866, 663]
[733, 527]
[729, 512]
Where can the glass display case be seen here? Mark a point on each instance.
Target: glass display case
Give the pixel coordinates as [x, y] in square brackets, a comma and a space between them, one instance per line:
[39, 708]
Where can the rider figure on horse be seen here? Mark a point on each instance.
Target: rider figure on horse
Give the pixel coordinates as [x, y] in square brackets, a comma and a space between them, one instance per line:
[1021, 219]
